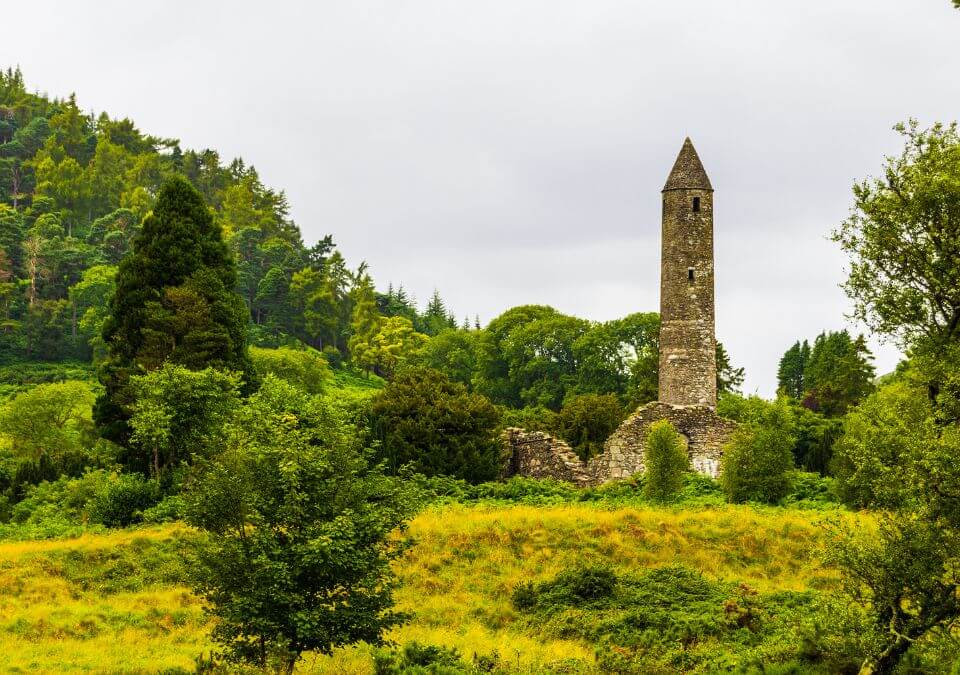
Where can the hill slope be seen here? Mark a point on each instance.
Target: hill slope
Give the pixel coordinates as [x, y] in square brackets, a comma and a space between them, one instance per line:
[116, 601]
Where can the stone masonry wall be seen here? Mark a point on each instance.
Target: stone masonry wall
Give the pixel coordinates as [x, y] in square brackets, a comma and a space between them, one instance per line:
[704, 430]
[539, 455]
[535, 454]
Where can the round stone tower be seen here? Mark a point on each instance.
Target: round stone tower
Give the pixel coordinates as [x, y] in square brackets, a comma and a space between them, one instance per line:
[688, 356]
[688, 362]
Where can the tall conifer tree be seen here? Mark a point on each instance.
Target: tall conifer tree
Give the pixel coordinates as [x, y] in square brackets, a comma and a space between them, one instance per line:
[174, 302]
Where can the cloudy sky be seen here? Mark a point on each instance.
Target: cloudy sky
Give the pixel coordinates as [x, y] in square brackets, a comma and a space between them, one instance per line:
[513, 152]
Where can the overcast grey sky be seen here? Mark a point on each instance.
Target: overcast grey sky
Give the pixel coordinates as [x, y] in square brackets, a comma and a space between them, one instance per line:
[513, 152]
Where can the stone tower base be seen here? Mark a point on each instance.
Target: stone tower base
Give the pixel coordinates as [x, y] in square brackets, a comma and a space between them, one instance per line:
[539, 455]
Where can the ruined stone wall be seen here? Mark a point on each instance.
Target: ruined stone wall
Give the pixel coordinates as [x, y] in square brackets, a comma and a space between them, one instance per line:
[704, 430]
[535, 454]
[539, 455]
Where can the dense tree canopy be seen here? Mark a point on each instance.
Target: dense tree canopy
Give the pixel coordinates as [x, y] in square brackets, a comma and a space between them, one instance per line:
[424, 420]
[903, 238]
[899, 447]
[833, 375]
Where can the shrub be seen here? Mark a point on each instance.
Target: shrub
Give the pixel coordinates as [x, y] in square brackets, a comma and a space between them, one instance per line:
[333, 356]
[666, 461]
[418, 658]
[123, 500]
[812, 490]
[304, 368]
[586, 421]
[523, 490]
[665, 619]
[62, 499]
[437, 426]
[877, 441]
[571, 588]
[17, 475]
[110, 499]
[168, 509]
[758, 458]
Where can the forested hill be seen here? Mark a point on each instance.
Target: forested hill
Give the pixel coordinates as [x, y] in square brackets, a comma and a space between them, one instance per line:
[74, 188]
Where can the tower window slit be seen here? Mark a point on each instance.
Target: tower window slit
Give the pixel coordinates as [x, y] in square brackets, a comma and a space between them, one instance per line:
[689, 274]
[696, 205]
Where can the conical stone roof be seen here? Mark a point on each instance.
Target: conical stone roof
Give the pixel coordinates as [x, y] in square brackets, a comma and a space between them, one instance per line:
[687, 173]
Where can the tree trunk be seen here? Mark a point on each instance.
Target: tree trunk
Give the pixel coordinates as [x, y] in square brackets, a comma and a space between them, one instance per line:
[888, 660]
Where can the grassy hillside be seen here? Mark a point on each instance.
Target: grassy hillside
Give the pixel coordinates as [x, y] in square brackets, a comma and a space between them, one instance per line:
[115, 601]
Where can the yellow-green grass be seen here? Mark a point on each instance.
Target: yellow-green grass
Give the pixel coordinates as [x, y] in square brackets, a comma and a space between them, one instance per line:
[92, 604]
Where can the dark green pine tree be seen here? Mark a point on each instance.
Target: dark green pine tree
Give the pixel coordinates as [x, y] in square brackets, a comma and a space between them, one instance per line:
[174, 302]
[729, 379]
[838, 373]
[791, 369]
[436, 317]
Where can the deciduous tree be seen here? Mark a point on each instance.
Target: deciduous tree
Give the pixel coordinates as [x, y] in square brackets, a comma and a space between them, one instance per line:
[300, 533]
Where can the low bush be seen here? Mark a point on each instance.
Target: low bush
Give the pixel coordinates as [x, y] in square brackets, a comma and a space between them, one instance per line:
[811, 490]
[122, 500]
[521, 490]
[167, 510]
[700, 487]
[96, 497]
[665, 619]
[666, 462]
[437, 427]
[696, 489]
[303, 368]
[570, 588]
[333, 356]
[65, 498]
[420, 659]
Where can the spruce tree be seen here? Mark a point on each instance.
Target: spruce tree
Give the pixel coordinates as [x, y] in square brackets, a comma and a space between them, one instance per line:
[436, 317]
[838, 373]
[174, 301]
[791, 368]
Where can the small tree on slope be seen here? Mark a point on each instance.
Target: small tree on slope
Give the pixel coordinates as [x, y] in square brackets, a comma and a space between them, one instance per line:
[666, 460]
[759, 456]
[300, 533]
